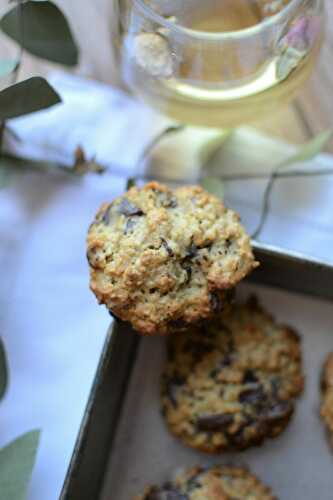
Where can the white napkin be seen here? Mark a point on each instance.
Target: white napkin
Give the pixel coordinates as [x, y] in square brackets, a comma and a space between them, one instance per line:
[51, 324]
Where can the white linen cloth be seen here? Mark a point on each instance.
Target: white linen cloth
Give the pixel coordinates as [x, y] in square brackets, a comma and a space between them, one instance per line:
[51, 325]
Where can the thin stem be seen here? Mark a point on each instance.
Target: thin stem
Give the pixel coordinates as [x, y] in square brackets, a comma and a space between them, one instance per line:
[265, 205]
[280, 175]
[156, 140]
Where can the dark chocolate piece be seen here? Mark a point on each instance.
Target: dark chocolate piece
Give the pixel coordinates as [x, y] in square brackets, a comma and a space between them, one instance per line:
[253, 396]
[215, 423]
[250, 377]
[129, 209]
[167, 248]
[172, 385]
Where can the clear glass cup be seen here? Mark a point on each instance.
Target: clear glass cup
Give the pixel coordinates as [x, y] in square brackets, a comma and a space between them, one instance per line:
[218, 63]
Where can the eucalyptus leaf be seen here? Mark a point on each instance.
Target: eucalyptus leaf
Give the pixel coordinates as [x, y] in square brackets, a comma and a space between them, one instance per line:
[214, 186]
[17, 460]
[4, 176]
[310, 150]
[41, 29]
[26, 97]
[3, 370]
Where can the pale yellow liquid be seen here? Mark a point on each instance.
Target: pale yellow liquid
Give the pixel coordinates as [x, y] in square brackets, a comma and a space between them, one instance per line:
[200, 93]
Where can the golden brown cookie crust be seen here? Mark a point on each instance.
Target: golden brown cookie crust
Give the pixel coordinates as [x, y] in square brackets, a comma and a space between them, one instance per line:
[326, 410]
[230, 384]
[220, 482]
[164, 259]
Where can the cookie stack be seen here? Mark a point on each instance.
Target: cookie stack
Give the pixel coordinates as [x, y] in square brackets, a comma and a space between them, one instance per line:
[167, 262]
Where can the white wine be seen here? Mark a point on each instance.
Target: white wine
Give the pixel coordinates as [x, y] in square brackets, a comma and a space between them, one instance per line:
[223, 84]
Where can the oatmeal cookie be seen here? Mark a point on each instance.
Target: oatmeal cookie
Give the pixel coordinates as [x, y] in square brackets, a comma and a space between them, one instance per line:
[220, 482]
[230, 384]
[164, 259]
[326, 410]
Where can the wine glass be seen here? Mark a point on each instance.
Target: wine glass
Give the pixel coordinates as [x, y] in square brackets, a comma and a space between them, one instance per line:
[218, 63]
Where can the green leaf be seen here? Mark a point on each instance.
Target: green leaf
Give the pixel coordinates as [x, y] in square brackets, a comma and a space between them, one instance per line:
[4, 176]
[214, 186]
[3, 370]
[310, 150]
[46, 32]
[26, 97]
[16, 464]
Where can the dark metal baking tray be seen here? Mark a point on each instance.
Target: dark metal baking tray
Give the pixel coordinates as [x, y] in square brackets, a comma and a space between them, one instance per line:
[279, 268]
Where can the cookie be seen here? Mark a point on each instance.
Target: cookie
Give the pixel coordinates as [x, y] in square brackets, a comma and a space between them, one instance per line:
[220, 482]
[230, 384]
[162, 259]
[326, 410]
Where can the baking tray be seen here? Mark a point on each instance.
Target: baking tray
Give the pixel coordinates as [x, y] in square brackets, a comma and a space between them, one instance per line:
[99, 466]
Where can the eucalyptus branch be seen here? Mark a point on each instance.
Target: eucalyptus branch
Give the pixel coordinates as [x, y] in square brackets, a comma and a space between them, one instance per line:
[265, 203]
[156, 140]
[306, 153]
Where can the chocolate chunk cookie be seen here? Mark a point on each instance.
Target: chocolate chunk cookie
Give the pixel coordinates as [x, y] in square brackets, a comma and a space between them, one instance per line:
[230, 384]
[164, 259]
[219, 482]
[327, 396]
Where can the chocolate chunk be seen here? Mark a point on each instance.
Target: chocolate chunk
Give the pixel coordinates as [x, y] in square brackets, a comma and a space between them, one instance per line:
[226, 361]
[130, 224]
[214, 373]
[227, 243]
[165, 493]
[215, 303]
[253, 396]
[171, 203]
[193, 482]
[249, 377]
[172, 385]
[192, 251]
[95, 260]
[278, 411]
[165, 200]
[128, 209]
[188, 268]
[214, 423]
[106, 215]
[167, 248]
[275, 385]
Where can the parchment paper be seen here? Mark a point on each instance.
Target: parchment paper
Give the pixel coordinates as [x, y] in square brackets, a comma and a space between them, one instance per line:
[298, 465]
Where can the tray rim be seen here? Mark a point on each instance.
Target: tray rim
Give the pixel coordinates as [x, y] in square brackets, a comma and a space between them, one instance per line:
[116, 342]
